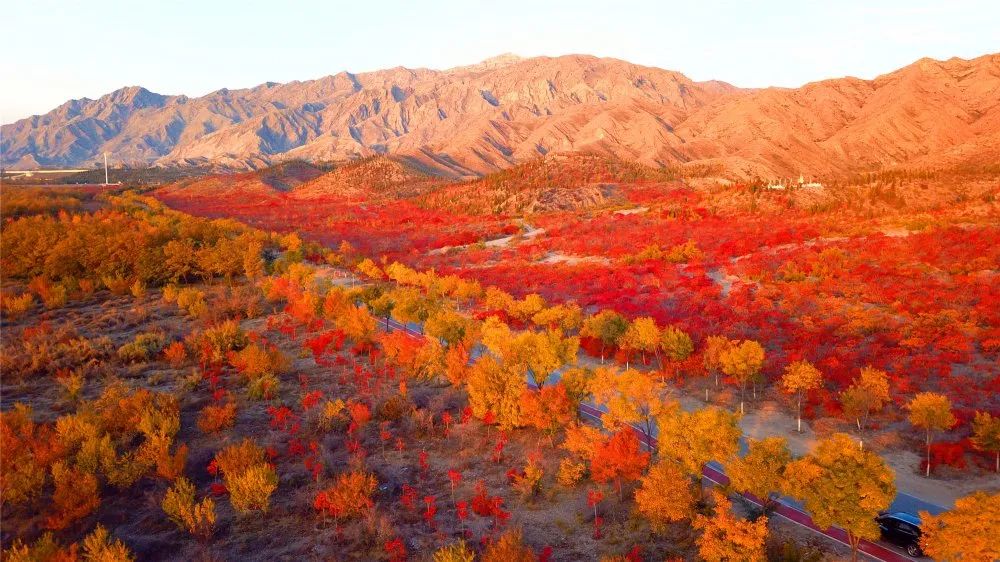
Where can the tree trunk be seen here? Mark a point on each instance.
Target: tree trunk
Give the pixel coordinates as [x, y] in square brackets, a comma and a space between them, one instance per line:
[854, 542]
[799, 412]
[649, 435]
[927, 473]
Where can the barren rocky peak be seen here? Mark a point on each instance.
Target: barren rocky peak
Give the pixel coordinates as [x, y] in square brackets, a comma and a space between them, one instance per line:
[475, 119]
[506, 59]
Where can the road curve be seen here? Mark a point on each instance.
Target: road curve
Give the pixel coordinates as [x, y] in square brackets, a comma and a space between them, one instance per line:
[712, 472]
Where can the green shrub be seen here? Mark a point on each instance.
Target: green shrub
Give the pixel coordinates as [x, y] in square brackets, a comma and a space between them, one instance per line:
[142, 348]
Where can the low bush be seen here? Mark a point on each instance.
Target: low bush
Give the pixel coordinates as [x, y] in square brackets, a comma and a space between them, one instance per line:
[214, 418]
[142, 348]
[247, 475]
[16, 307]
[197, 518]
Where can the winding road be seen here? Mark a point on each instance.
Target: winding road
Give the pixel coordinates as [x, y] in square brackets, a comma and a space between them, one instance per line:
[713, 473]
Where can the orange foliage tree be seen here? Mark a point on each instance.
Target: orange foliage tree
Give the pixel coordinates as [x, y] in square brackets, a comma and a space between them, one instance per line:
[549, 409]
[967, 532]
[619, 459]
[727, 538]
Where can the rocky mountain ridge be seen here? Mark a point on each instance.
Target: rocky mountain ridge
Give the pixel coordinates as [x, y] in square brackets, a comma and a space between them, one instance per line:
[476, 119]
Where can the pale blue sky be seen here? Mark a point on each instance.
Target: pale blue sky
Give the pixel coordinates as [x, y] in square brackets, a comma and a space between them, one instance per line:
[54, 51]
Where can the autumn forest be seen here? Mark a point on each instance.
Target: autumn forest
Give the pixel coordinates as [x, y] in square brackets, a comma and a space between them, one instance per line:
[575, 358]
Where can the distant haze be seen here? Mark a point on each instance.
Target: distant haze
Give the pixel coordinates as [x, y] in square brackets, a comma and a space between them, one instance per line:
[60, 50]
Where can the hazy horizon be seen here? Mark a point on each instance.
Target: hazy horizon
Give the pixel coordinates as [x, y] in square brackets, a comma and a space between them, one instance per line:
[748, 45]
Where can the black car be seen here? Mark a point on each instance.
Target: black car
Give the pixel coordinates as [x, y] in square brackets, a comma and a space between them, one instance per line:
[901, 529]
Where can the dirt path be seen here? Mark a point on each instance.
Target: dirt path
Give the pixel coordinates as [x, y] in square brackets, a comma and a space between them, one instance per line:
[529, 232]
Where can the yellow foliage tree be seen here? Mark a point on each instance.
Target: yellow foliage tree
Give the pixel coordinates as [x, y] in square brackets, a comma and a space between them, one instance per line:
[844, 485]
[762, 470]
[727, 538]
[664, 496]
[356, 323]
[411, 305]
[253, 261]
[642, 335]
[607, 326]
[44, 549]
[542, 353]
[868, 393]
[527, 307]
[562, 316]
[466, 291]
[251, 489]
[930, 412]
[537, 354]
[630, 398]
[986, 434]
[577, 381]
[449, 326]
[967, 532]
[370, 269]
[497, 299]
[494, 387]
[676, 344]
[800, 377]
[715, 346]
[695, 438]
[743, 361]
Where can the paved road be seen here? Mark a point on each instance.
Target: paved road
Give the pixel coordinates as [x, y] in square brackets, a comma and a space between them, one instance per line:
[787, 508]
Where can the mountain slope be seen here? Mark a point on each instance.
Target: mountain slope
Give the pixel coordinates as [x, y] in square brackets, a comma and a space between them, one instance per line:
[477, 119]
[256, 185]
[459, 121]
[918, 114]
[367, 178]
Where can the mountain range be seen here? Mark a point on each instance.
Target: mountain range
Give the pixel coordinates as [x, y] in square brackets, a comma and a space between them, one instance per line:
[477, 119]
